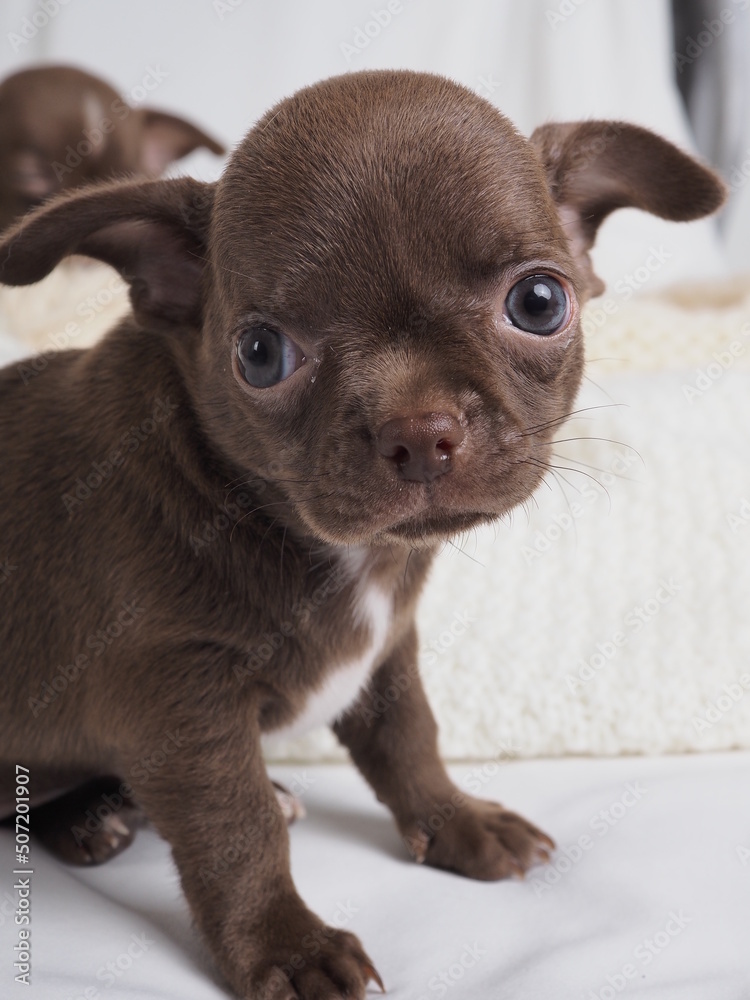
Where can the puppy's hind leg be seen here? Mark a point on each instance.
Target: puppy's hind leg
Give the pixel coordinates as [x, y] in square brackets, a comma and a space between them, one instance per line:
[89, 825]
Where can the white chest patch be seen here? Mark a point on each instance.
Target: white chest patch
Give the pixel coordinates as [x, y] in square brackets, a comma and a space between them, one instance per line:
[374, 609]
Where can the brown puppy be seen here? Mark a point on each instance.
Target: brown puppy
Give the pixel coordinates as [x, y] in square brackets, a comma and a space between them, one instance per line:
[61, 128]
[217, 521]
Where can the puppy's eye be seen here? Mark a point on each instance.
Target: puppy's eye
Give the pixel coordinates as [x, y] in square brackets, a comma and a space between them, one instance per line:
[267, 357]
[538, 304]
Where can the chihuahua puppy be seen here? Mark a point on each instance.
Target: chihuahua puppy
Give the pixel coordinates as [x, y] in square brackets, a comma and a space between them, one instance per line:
[217, 521]
[61, 128]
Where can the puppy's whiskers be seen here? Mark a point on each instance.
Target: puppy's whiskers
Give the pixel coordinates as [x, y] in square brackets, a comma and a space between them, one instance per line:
[283, 543]
[462, 539]
[587, 465]
[557, 471]
[278, 503]
[556, 421]
[307, 481]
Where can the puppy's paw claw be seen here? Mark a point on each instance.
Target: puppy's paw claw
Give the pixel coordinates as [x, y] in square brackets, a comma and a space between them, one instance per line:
[372, 974]
[480, 840]
[291, 807]
[338, 969]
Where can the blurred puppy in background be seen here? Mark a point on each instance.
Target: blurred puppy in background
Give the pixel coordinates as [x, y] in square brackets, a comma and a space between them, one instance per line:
[62, 128]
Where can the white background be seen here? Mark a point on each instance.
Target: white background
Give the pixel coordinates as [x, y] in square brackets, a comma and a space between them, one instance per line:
[227, 61]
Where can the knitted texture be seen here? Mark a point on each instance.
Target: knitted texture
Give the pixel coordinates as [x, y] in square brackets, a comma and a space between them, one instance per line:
[74, 306]
[609, 615]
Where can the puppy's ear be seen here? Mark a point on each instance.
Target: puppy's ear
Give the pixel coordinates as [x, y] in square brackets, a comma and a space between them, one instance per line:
[153, 232]
[165, 138]
[595, 167]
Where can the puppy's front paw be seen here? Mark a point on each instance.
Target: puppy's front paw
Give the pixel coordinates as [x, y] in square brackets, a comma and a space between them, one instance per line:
[306, 960]
[478, 839]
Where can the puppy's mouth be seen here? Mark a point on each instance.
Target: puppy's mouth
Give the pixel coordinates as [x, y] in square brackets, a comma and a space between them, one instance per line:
[432, 529]
[396, 511]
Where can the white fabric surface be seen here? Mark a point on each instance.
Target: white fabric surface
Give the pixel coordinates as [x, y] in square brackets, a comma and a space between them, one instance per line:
[73, 307]
[610, 615]
[676, 842]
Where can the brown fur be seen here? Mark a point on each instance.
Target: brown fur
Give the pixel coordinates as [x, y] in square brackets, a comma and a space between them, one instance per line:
[378, 219]
[61, 128]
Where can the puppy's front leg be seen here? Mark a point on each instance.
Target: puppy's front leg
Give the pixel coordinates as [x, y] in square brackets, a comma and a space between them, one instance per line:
[214, 803]
[392, 737]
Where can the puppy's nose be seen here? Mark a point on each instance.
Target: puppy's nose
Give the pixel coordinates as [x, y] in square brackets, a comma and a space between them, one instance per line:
[420, 446]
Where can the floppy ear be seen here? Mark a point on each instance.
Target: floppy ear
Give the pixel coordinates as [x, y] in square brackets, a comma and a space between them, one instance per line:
[153, 232]
[594, 167]
[166, 138]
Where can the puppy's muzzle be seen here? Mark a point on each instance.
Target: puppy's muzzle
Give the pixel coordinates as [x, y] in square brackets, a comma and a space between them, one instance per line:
[420, 446]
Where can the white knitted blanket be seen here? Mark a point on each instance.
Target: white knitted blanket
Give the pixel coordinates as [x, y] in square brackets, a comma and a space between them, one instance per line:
[611, 614]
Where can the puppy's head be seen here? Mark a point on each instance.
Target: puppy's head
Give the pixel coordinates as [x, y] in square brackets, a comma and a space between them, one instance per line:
[61, 128]
[382, 293]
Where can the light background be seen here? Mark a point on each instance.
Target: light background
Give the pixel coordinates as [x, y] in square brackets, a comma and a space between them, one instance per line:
[228, 61]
